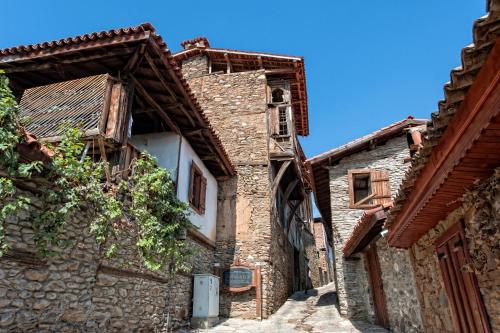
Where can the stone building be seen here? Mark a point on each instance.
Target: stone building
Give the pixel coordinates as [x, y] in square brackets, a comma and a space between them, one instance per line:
[354, 185]
[447, 211]
[325, 252]
[257, 102]
[121, 87]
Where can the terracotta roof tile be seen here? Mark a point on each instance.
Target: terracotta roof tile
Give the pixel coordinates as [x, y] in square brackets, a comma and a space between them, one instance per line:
[25, 50]
[486, 30]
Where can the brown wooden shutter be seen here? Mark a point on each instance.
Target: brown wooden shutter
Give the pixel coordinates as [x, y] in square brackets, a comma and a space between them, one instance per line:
[203, 194]
[274, 125]
[380, 187]
[191, 183]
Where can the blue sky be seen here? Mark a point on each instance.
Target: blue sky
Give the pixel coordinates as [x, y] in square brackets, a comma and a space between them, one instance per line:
[368, 62]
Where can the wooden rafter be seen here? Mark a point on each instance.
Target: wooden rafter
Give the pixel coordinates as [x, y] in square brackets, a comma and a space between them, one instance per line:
[166, 86]
[150, 100]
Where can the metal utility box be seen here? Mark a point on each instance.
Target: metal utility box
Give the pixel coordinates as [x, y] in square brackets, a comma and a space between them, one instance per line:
[205, 300]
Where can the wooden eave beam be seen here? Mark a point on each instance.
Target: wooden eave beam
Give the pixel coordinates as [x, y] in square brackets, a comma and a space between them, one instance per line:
[20, 68]
[150, 100]
[228, 168]
[474, 114]
[166, 86]
[68, 49]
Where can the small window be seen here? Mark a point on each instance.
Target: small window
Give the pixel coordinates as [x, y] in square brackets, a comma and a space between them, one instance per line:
[362, 188]
[197, 189]
[283, 121]
[368, 188]
[278, 96]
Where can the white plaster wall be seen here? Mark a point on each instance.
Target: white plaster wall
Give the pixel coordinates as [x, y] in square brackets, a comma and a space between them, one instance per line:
[165, 146]
[207, 221]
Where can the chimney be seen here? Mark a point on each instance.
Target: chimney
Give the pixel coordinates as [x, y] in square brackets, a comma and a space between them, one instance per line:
[198, 42]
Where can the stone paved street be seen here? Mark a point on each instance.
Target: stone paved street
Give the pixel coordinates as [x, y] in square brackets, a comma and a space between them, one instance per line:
[313, 313]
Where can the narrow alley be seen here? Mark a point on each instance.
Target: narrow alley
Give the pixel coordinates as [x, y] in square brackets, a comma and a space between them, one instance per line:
[315, 312]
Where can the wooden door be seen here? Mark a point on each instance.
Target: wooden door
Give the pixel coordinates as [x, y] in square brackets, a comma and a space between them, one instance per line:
[466, 304]
[377, 286]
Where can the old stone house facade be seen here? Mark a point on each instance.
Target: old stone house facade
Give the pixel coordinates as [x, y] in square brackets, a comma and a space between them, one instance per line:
[354, 185]
[257, 102]
[447, 210]
[325, 252]
[119, 87]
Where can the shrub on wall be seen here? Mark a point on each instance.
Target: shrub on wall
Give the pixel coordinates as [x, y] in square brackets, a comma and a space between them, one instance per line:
[75, 182]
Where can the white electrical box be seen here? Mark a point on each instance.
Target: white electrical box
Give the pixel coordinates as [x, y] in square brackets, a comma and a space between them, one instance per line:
[206, 296]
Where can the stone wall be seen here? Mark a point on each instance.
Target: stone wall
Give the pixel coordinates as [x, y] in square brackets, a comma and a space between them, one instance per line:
[324, 264]
[351, 281]
[403, 306]
[313, 261]
[236, 106]
[480, 212]
[194, 67]
[79, 290]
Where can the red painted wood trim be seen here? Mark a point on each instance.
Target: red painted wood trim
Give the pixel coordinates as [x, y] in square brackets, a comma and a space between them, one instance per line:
[473, 115]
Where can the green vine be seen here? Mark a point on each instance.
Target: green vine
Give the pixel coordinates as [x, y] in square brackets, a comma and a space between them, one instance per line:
[147, 199]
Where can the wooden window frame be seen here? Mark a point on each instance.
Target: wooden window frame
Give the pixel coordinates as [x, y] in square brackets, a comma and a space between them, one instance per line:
[350, 175]
[380, 197]
[197, 189]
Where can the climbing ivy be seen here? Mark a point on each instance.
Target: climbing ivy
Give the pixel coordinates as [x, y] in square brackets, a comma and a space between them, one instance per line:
[146, 200]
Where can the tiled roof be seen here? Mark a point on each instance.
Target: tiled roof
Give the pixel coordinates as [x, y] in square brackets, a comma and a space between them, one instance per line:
[390, 131]
[96, 39]
[319, 174]
[486, 31]
[196, 40]
[71, 41]
[362, 232]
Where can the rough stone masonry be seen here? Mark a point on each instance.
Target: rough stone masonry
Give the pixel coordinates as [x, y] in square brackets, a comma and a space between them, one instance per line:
[236, 105]
[81, 291]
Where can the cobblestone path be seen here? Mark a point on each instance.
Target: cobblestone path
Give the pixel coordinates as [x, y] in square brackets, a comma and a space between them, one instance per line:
[314, 313]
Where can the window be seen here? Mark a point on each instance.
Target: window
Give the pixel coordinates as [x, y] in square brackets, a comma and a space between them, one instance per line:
[283, 121]
[197, 189]
[368, 188]
[278, 96]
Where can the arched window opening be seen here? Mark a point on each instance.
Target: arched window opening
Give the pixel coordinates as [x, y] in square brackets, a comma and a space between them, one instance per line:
[278, 95]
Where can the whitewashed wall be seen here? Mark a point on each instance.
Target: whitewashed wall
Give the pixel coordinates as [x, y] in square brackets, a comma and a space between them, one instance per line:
[165, 147]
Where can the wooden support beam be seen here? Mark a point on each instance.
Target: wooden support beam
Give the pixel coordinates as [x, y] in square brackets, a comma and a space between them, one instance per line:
[135, 61]
[261, 65]
[228, 63]
[150, 100]
[277, 179]
[281, 71]
[286, 195]
[291, 215]
[166, 86]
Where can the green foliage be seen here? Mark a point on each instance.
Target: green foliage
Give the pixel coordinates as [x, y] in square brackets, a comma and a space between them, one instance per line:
[160, 216]
[147, 199]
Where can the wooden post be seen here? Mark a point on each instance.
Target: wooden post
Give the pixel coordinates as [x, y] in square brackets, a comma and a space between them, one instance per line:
[258, 291]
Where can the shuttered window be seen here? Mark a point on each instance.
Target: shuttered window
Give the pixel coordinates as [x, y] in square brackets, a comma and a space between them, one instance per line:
[468, 312]
[368, 188]
[197, 189]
